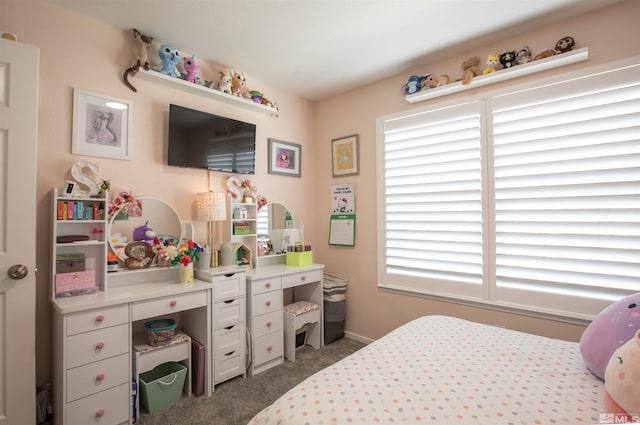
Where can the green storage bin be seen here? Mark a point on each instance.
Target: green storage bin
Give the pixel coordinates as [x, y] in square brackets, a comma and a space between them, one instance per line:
[162, 386]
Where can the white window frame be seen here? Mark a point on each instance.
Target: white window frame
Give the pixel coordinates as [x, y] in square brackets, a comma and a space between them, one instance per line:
[489, 296]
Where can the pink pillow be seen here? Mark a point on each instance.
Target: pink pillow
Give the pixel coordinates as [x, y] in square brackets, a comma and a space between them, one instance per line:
[614, 326]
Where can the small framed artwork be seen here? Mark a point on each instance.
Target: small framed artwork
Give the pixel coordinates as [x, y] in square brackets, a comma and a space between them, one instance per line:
[344, 155]
[100, 125]
[285, 158]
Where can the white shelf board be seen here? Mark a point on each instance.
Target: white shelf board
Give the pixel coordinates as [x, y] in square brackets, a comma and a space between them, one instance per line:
[540, 65]
[205, 91]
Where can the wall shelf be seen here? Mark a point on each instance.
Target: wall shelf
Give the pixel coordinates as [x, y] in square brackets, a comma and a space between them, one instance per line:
[540, 65]
[213, 94]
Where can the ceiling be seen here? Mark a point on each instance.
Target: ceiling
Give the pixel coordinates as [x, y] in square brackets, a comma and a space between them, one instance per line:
[318, 48]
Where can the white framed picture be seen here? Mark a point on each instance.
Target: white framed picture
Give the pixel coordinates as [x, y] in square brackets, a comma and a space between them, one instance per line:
[100, 125]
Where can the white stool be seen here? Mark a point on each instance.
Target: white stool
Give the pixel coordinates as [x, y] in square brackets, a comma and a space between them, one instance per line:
[299, 317]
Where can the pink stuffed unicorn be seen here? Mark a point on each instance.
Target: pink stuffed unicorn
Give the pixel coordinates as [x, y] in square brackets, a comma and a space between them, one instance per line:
[192, 68]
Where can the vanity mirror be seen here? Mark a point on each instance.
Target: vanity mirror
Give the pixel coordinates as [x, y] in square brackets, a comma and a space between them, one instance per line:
[158, 215]
[275, 229]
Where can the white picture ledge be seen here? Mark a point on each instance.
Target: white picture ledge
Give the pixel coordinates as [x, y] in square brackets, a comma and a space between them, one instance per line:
[540, 65]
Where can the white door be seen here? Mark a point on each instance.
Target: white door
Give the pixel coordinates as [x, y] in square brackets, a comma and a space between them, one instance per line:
[18, 135]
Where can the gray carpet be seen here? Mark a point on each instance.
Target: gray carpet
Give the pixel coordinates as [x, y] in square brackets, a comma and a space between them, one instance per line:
[236, 401]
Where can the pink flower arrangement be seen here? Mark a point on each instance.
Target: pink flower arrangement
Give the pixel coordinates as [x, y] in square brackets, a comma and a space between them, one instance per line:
[126, 204]
[248, 188]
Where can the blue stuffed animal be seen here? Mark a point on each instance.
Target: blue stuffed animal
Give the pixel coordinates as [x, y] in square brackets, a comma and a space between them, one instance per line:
[170, 58]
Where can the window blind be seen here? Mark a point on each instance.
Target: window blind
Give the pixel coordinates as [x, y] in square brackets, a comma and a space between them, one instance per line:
[567, 190]
[432, 198]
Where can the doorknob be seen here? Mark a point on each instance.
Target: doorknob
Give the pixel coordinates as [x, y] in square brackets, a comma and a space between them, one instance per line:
[17, 271]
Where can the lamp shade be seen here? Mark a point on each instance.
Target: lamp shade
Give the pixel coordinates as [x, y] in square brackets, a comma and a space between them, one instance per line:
[211, 206]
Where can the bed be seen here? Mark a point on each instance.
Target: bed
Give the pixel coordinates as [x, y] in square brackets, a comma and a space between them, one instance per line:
[444, 370]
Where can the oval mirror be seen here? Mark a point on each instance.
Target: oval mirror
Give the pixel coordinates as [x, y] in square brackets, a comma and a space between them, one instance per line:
[157, 217]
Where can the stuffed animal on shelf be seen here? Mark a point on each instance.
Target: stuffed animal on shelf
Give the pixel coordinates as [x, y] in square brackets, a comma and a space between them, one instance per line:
[523, 56]
[492, 63]
[508, 59]
[429, 82]
[224, 84]
[614, 326]
[443, 80]
[470, 69]
[170, 58]
[142, 57]
[192, 68]
[144, 234]
[414, 84]
[622, 379]
[544, 54]
[565, 44]
[238, 85]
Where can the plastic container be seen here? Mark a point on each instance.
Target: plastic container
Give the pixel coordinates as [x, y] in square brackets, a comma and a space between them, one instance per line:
[162, 386]
[160, 331]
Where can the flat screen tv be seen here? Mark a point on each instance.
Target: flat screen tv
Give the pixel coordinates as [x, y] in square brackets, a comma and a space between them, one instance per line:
[202, 140]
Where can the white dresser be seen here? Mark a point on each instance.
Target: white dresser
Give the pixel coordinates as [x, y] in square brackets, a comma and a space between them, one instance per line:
[265, 290]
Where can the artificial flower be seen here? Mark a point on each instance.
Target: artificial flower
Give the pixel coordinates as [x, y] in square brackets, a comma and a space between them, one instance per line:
[187, 254]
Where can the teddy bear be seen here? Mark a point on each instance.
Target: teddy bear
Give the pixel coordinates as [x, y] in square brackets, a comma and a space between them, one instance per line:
[508, 59]
[622, 379]
[192, 68]
[170, 58]
[470, 69]
[492, 63]
[443, 80]
[524, 55]
[565, 44]
[224, 84]
[238, 85]
[614, 326]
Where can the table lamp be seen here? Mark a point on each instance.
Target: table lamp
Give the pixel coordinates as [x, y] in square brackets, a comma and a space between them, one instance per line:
[211, 206]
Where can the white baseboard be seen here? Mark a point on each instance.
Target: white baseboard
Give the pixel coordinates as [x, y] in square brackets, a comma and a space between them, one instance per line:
[357, 337]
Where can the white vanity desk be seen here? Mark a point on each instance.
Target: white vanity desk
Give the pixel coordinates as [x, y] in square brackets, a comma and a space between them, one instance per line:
[265, 293]
[93, 338]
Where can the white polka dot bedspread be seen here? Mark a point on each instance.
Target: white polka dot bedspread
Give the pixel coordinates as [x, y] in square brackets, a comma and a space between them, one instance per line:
[443, 370]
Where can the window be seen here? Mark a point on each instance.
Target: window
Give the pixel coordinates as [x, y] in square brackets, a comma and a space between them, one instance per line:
[526, 199]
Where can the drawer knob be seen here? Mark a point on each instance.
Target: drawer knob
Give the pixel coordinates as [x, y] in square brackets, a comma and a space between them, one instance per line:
[268, 285]
[100, 413]
[269, 347]
[268, 302]
[269, 324]
[100, 345]
[100, 318]
[100, 376]
[303, 278]
[173, 303]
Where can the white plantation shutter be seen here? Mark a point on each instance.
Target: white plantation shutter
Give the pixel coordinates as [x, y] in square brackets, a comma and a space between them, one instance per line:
[567, 191]
[526, 198]
[432, 199]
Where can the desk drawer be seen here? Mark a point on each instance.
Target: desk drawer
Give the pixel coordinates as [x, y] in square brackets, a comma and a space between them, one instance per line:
[301, 278]
[167, 305]
[268, 347]
[106, 407]
[261, 286]
[95, 377]
[267, 323]
[97, 319]
[229, 339]
[97, 345]
[266, 303]
[229, 286]
[228, 366]
[227, 313]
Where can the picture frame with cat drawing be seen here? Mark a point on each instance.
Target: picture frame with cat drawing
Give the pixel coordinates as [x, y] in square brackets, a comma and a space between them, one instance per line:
[344, 156]
[101, 125]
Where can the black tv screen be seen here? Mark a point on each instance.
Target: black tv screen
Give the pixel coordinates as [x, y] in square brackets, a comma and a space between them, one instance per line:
[202, 140]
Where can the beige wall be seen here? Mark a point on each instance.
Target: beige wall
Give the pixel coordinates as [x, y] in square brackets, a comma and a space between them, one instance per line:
[78, 52]
[610, 34]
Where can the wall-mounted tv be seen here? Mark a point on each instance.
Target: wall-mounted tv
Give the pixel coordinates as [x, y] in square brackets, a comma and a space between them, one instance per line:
[202, 140]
